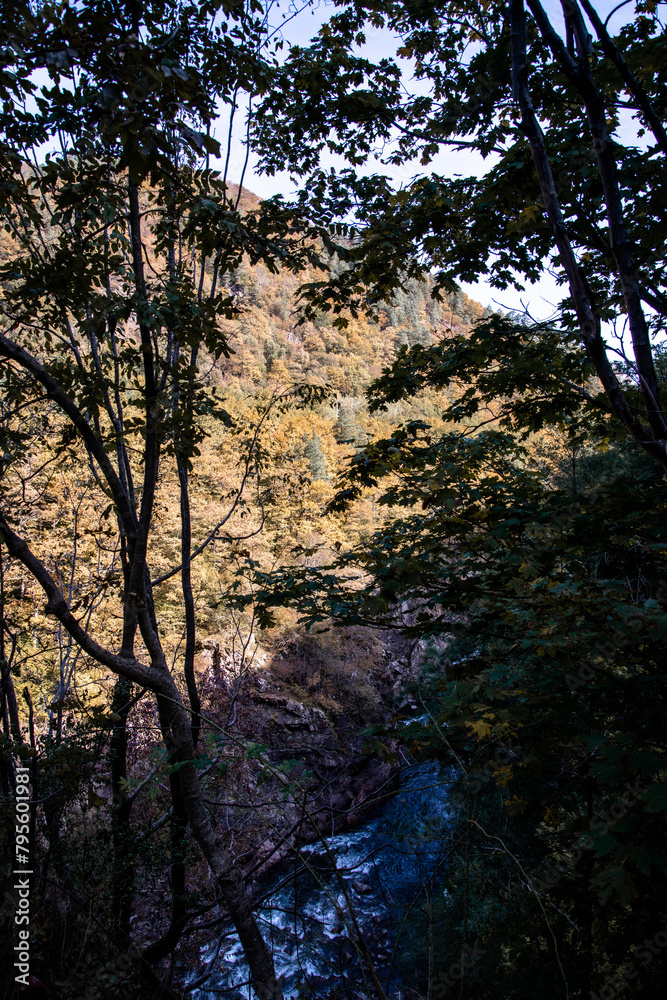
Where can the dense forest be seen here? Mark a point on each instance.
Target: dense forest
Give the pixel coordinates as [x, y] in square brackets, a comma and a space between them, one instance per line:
[333, 604]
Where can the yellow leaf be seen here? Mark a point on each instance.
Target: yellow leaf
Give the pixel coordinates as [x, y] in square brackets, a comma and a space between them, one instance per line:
[551, 816]
[504, 775]
[480, 728]
[515, 805]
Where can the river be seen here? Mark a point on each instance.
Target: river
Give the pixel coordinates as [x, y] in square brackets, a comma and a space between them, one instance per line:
[371, 883]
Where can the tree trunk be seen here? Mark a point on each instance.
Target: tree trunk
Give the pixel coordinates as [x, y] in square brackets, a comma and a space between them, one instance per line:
[159, 950]
[121, 832]
[177, 734]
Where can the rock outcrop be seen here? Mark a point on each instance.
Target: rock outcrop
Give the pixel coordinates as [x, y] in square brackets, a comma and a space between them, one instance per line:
[309, 769]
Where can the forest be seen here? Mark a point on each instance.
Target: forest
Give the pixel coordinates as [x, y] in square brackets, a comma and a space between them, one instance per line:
[333, 602]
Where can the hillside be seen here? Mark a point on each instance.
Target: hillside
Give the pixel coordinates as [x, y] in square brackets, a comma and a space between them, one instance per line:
[301, 453]
[271, 698]
[332, 652]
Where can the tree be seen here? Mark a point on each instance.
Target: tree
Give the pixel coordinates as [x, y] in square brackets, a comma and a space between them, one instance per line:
[313, 452]
[347, 428]
[543, 598]
[541, 602]
[115, 242]
[551, 103]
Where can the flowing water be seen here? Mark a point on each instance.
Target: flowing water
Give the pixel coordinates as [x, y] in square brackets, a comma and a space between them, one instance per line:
[371, 882]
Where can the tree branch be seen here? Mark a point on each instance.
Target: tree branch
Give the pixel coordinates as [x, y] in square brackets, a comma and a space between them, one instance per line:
[588, 320]
[54, 391]
[580, 76]
[628, 77]
[56, 605]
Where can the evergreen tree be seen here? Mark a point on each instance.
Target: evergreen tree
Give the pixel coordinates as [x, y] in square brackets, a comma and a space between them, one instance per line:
[271, 353]
[347, 429]
[544, 599]
[316, 461]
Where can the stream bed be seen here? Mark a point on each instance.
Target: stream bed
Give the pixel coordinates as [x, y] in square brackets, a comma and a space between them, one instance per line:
[369, 882]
